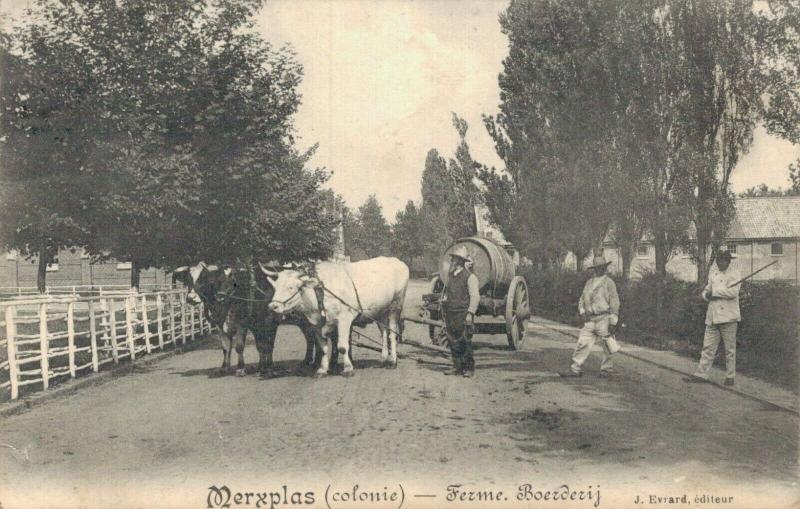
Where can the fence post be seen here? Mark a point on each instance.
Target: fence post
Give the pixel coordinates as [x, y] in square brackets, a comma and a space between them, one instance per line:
[160, 319]
[191, 321]
[183, 318]
[104, 321]
[93, 337]
[129, 328]
[170, 299]
[202, 324]
[112, 323]
[146, 324]
[44, 344]
[71, 337]
[11, 336]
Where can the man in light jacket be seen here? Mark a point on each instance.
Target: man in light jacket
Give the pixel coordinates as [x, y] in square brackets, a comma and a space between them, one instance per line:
[599, 308]
[722, 318]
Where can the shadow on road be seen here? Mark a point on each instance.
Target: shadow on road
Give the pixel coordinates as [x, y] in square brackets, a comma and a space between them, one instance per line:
[280, 369]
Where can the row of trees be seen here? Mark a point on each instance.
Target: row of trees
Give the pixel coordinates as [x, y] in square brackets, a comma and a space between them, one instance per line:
[154, 132]
[420, 233]
[367, 232]
[627, 118]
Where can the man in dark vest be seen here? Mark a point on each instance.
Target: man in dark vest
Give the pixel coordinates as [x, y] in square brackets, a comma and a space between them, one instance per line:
[459, 304]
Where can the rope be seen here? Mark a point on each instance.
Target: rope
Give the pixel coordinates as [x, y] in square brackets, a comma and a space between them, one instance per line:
[359, 311]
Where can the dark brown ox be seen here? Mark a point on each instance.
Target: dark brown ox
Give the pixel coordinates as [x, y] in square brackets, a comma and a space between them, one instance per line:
[236, 301]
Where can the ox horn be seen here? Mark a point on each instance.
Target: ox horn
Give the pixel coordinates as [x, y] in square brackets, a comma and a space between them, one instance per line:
[180, 269]
[267, 271]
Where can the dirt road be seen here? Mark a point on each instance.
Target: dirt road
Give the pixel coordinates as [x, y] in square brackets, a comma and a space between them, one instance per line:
[161, 437]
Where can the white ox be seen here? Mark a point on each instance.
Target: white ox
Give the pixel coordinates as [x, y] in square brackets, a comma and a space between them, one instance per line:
[369, 290]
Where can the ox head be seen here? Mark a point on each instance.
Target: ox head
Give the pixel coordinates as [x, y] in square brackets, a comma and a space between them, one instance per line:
[289, 284]
[201, 280]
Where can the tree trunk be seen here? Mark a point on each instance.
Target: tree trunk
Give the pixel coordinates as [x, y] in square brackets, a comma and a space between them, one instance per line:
[135, 275]
[626, 255]
[41, 273]
[660, 245]
[703, 262]
[45, 258]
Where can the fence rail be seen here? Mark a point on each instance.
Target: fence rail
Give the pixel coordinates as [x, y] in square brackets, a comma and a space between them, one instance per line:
[16, 292]
[43, 340]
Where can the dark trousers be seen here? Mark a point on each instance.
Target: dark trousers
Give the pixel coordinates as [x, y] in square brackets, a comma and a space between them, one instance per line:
[460, 340]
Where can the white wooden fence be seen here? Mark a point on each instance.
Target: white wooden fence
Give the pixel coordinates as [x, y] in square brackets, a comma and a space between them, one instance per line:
[15, 292]
[42, 340]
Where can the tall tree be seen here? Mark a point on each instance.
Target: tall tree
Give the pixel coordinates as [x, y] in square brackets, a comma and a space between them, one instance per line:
[449, 195]
[463, 194]
[374, 233]
[186, 150]
[794, 178]
[44, 123]
[434, 209]
[552, 131]
[407, 234]
[720, 49]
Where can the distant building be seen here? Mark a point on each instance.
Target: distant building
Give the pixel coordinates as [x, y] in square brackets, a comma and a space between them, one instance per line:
[73, 269]
[763, 230]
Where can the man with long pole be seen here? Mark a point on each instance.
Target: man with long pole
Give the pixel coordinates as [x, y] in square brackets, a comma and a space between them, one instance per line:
[722, 318]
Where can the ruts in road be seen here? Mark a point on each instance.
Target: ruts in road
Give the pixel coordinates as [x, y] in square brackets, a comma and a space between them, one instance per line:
[165, 434]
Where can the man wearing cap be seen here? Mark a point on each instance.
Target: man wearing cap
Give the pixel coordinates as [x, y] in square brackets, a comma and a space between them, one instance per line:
[459, 303]
[599, 308]
[722, 318]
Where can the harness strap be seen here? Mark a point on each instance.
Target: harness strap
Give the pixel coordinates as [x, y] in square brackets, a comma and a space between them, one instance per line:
[358, 300]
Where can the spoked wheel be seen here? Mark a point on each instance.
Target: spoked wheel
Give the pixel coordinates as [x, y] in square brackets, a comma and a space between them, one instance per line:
[517, 311]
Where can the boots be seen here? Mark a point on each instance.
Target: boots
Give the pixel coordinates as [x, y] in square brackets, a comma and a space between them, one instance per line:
[457, 368]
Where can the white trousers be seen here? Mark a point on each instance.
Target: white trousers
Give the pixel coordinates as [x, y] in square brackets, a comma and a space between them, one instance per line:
[593, 330]
[727, 333]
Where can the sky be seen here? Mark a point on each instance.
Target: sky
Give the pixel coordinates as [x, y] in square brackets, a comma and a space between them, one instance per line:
[382, 79]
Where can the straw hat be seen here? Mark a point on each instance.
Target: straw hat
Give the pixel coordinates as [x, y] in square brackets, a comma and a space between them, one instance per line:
[461, 252]
[599, 261]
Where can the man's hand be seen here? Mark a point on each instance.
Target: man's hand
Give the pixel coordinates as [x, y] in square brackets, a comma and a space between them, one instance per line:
[469, 323]
[706, 295]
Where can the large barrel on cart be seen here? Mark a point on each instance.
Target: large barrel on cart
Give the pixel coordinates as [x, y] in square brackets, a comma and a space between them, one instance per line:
[503, 292]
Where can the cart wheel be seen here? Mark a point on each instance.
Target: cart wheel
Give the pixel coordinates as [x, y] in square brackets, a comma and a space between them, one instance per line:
[436, 286]
[516, 312]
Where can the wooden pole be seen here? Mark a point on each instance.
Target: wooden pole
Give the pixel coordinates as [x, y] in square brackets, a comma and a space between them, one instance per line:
[160, 319]
[753, 274]
[93, 337]
[104, 321]
[146, 324]
[183, 318]
[112, 323]
[170, 299]
[71, 337]
[11, 336]
[191, 321]
[129, 327]
[423, 320]
[44, 346]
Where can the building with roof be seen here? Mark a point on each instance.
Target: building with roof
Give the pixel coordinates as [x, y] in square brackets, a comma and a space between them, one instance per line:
[73, 269]
[764, 229]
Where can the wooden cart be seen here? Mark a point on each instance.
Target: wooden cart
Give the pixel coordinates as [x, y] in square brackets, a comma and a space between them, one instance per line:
[504, 294]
